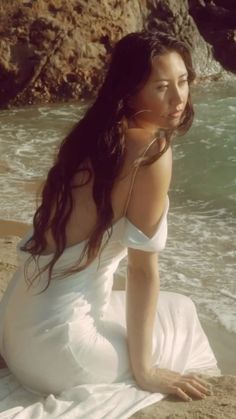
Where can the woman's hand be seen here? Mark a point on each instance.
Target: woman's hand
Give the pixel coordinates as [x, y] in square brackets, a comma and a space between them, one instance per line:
[184, 386]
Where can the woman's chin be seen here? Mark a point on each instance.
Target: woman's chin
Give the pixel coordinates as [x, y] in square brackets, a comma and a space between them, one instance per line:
[171, 124]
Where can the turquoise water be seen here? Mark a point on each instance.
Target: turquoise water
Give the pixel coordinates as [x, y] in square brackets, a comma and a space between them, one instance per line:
[206, 157]
[200, 256]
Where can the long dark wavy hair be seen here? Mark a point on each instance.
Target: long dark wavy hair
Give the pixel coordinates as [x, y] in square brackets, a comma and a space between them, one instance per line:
[100, 137]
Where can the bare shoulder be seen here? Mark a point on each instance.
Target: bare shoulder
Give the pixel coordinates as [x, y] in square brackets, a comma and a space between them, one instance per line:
[149, 193]
[137, 140]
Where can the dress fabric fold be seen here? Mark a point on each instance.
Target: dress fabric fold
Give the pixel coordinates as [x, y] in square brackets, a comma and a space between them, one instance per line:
[66, 348]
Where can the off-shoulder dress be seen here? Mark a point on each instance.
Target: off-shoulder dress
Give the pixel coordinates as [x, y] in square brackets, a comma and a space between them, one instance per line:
[66, 348]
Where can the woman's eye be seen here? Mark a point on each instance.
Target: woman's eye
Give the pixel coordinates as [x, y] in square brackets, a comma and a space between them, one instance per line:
[161, 87]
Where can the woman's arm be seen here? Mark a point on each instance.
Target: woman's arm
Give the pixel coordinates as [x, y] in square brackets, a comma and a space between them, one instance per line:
[145, 210]
[147, 204]
[142, 291]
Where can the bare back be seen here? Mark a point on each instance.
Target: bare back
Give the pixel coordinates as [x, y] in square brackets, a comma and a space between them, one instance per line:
[83, 217]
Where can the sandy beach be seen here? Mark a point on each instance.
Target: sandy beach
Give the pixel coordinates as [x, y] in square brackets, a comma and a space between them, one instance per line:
[222, 403]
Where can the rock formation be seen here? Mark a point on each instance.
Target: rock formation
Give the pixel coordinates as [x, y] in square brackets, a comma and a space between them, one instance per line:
[54, 50]
[173, 17]
[216, 21]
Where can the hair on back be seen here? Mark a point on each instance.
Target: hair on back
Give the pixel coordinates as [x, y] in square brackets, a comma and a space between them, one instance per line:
[99, 137]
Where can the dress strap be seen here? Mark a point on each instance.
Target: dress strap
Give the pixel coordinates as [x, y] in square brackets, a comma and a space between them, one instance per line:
[133, 177]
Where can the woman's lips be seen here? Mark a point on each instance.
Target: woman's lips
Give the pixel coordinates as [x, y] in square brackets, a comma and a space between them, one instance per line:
[174, 115]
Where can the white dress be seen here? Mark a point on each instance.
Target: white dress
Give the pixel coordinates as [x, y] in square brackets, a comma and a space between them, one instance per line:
[66, 348]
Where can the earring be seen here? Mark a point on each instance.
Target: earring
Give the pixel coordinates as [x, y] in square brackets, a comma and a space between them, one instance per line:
[142, 110]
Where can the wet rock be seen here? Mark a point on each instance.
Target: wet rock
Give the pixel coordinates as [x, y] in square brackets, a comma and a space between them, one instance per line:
[58, 49]
[173, 17]
[216, 21]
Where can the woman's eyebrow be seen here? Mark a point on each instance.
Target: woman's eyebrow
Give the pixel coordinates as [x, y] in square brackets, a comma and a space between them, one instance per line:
[182, 75]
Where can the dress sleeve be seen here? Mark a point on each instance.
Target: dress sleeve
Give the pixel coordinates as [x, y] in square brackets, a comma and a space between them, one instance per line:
[134, 238]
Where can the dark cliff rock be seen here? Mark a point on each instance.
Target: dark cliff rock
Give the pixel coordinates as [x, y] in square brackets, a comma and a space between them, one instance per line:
[173, 17]
[216, 21]
[53, 50]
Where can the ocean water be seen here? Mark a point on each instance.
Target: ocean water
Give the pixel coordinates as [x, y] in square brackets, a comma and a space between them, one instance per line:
[200, 256]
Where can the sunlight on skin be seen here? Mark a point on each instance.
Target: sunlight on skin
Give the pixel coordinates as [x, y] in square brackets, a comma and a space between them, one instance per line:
[162, 100]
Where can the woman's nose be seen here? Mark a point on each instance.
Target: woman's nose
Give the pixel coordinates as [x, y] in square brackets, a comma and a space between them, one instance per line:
[176, 97]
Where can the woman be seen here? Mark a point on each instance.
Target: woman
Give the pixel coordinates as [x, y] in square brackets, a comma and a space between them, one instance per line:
[106, 197]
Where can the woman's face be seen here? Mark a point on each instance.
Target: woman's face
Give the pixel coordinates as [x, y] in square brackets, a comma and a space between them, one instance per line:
[164, 96]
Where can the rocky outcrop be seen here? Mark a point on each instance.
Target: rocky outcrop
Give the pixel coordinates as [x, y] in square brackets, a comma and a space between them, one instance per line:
[173, 17]
[54, 50]
[216, 21]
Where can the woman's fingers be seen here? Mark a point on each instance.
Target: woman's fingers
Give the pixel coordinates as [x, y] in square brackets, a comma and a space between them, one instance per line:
[183, 386]
[200, 382]
[192, 390]
[190, 386]
[199, 386]
[177, 391]
[198, 379]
